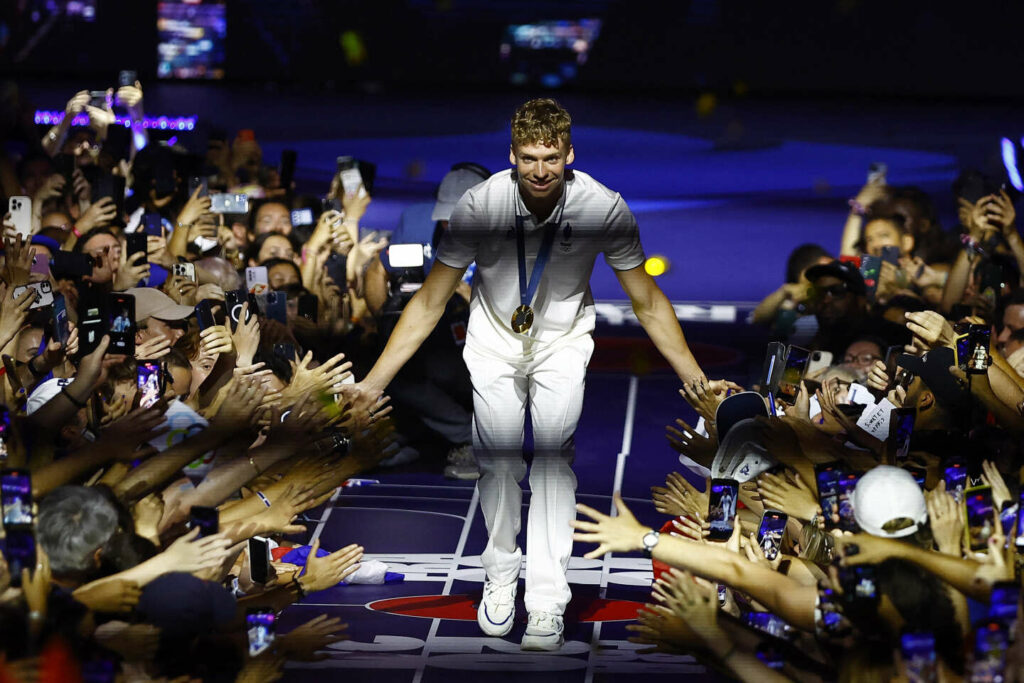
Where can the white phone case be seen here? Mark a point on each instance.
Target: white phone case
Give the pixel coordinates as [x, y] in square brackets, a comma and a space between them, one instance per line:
[21, 215]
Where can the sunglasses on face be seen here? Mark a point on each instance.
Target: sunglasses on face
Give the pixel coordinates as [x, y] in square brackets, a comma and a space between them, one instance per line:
[835, 291]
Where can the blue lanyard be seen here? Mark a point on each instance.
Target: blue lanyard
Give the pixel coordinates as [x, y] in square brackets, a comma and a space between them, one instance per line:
[527, 290]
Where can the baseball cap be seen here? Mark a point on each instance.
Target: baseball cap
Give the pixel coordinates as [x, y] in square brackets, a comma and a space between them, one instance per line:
[454, 185]
[843, 270]
[888, 502]
[44, 393]
[738, 407]
[152, 303]
[741, 454]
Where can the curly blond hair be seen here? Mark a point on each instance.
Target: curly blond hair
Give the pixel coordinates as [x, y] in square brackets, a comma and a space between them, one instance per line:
[541, 121]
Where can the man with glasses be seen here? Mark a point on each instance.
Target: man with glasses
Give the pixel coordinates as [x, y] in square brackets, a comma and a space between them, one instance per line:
[840, 305]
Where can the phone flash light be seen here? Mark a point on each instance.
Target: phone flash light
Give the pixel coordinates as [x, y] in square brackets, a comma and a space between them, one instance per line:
[656, 265]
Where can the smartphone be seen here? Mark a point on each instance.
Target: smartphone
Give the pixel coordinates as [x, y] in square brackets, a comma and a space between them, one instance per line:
[309, 306]
[405, 255]
[92, 322]
[259, 560]
[901, 427]
[860, 588]
[126, 79]
[1019, 540]
[121, 323]
[1003, 605]
[891, 255]
[256, 280]
[978, 529]
[792, 373]
[206, 518]
[285, 351]
[233, 300]
[151, 381]
[830, 613]
[229, 203]
[991, 641]
[892, 354]
[16, 496]
[770, 532]
[286, 170]
[827, 476]
[955, 476]
[919, 474]
[302, 217]
[769, 623]
[201, 183]
[70, 266]
[19, 551]
[44, 293]
[351, 178]
[771, 656]
[185, 270]
[330, 205]
[136, 243]
[819, 361]
[722, 508]
[276, 307]
[979, 341]
[98, 99]
[918, 652]
[847, 483]
[204, 313]
[336, 269]
[991, 278]
[870, 268]
[260, 627]
[20, 208]
[877, 172]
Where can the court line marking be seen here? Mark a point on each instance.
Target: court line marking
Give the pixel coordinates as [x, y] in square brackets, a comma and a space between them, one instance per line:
[620, 470]
[432, 633]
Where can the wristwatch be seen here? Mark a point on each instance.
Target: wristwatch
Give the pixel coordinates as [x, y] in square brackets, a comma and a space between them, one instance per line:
[650, 540]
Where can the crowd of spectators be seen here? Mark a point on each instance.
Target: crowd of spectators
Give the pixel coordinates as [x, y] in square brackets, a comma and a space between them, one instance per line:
[877, 535]
[178, 333]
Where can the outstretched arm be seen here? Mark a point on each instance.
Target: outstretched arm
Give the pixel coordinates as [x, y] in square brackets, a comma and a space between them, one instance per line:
[658, 318]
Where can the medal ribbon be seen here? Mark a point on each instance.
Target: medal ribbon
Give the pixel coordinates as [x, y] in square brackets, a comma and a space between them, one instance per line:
[527, 290]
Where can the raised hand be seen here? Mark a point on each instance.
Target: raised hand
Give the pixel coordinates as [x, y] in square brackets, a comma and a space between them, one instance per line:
[111, 594]
[946, 520]
[153, 348]
[686, 441]
[695, 604]
[128, 275]
[681, 495]
[794, 498]
[660, 627]
[194, 208]
[246, 337]
[324, 572]
[612, 534]
[139, 426]
[241, 400]
[303, 643]
[13, 312]
[18, 257]
[98, 214]
[215, 340]
[931, 328]
[327, 378]
[191, 554]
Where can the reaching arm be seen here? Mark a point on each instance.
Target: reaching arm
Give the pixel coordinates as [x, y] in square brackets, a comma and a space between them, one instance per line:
[417, 322]
[658, 318]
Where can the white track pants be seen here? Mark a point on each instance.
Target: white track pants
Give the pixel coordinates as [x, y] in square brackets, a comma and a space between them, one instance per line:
[554, 385]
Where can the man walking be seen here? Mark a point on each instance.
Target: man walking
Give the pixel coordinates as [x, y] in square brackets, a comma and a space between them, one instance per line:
[534, 232]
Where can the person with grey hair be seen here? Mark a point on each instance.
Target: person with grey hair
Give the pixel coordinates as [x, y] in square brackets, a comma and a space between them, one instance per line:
[75, 522]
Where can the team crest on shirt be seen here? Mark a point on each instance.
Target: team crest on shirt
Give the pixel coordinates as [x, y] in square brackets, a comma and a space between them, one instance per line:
[566, 244]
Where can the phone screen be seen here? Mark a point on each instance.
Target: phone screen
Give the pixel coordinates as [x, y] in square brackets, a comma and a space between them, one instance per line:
[918, 651]
[16, 496]
[979, 342]
[771, 656]
[831, 614]
[309, 307]
[979, 516]
[260, 626]
[1019, 540]
[770, 532]
[792, 373]
[766, 622]
[121, 323]
[259, 560]
[991, 640]
[302, 217]
[847, 483]
[152, 224]
[827, 477]
[722, 507]
[955, 476]
[5, 428]
[859, 585]
[904, 426]
[206, 518]
[1003, 605]
[20, 551]
[60, 320]
[150, 378]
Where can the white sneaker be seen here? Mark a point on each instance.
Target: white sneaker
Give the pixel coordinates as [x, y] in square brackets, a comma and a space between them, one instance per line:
[543, 632]
[497, 609]
[462, 463]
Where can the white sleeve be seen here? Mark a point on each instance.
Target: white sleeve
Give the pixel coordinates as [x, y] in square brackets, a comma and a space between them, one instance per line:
[622, 249]
[461, 240]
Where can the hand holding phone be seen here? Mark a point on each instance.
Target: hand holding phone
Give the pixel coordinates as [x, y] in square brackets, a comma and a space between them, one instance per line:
[722, 508]
[770, 532]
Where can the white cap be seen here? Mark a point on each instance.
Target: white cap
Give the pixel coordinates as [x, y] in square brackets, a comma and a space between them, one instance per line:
[885, 494]
[44, 392]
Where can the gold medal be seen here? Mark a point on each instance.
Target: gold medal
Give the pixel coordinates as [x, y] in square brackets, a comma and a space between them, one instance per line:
[522, 319]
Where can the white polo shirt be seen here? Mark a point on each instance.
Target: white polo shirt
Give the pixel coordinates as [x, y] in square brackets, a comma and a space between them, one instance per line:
[482, 228]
